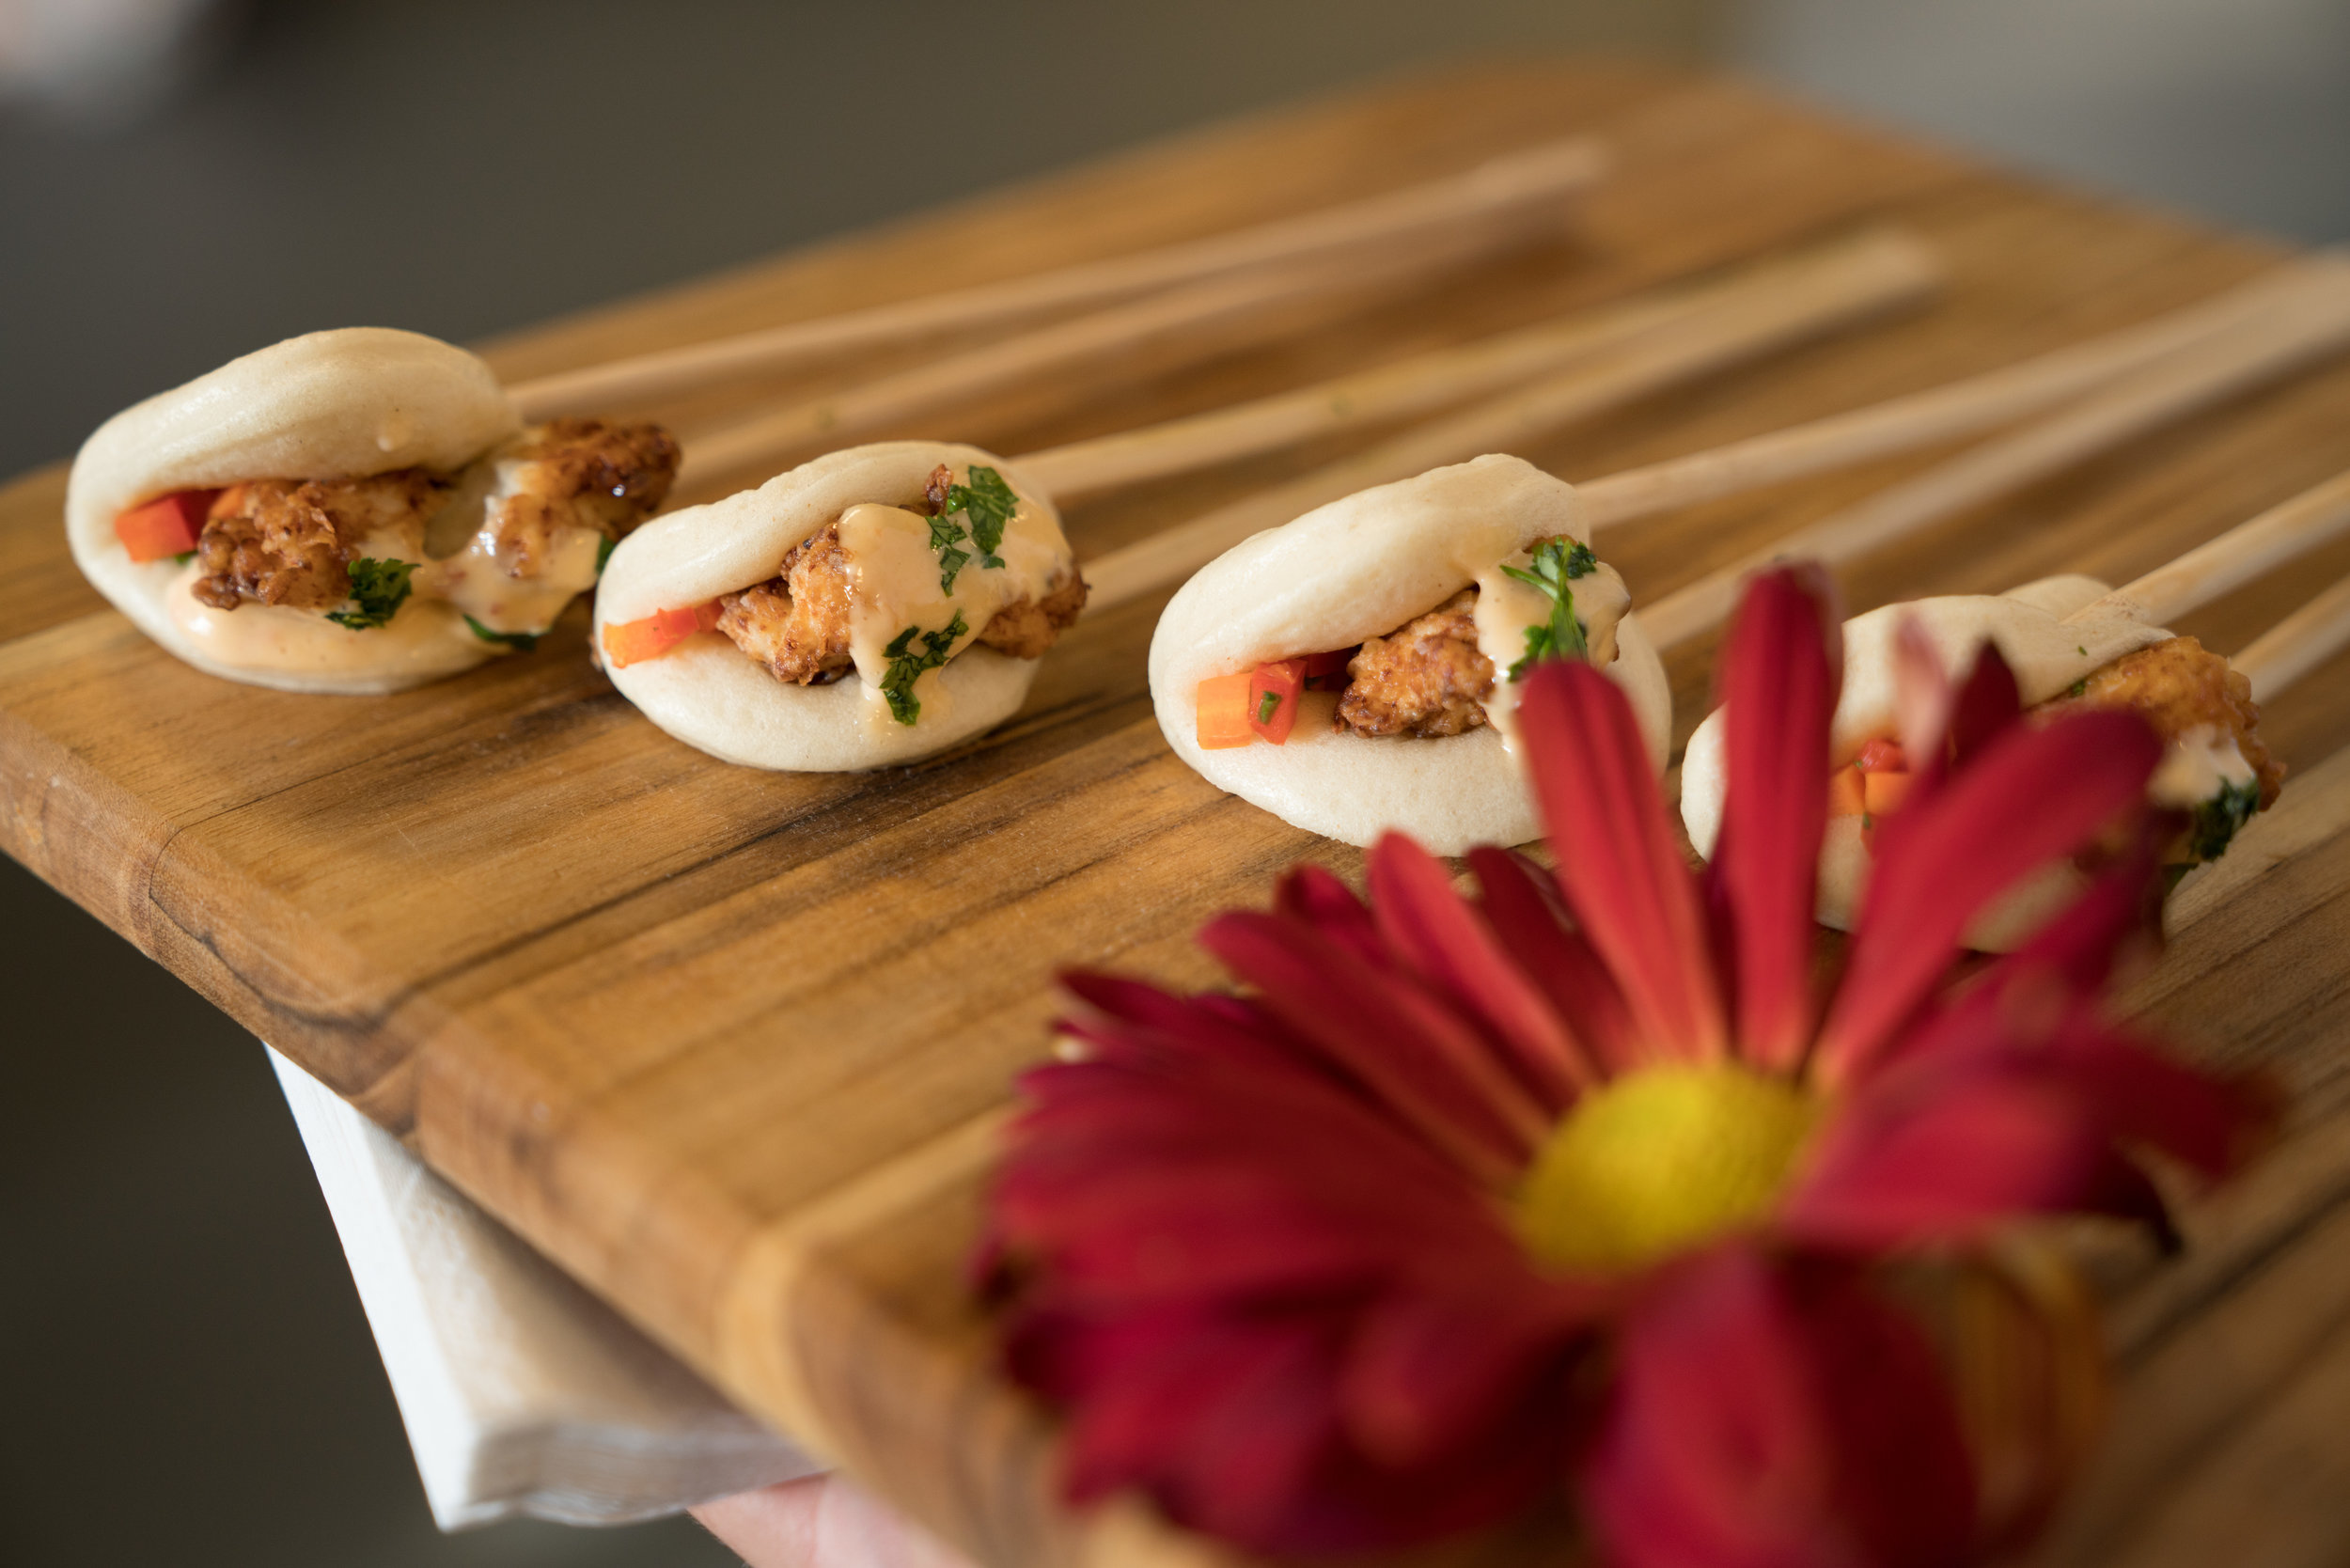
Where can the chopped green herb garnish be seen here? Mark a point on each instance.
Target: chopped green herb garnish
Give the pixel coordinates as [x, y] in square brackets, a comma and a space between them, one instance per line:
[1557, 563]
[377, 590]
[2219, 818]
[1268, 706]
[2078, 688]
[603, 552]
[990, 503]
[521, 642]
[946, 536]
[184, 557]
[986, 504]
[2080, 650]
[906, 665]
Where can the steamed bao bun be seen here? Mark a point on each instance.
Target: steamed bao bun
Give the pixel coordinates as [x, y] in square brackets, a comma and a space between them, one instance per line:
[2046, 655]
[710, 694]
[338, 404]
[1360, 568]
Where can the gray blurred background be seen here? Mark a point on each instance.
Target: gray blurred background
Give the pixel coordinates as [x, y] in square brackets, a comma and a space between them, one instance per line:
[184, 1373]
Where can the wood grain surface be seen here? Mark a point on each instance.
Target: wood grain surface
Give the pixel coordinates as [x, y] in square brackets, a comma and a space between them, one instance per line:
[732, 1048]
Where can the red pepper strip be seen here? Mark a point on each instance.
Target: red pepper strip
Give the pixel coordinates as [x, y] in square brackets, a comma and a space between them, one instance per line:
[628, 642]
[166, 525]
[1272, 692]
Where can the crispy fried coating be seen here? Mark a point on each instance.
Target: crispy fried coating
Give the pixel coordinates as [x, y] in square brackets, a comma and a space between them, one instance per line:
[1025, 628]
[2180, 686]
[1424, 679]
[796, 623]
[291, 542]
[578, 473]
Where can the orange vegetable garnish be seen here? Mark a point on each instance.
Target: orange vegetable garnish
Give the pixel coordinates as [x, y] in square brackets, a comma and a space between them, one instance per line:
[1846, 796]
[1222, 721]
[164, 526]
[629, 642]
[1272, 691]
[1885, 791]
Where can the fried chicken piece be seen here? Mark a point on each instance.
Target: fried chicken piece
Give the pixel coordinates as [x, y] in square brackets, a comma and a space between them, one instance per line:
[291, 542]
[1424, 679]
[575, 473]
[1025, 628]
[2180, 686]
[796, 623]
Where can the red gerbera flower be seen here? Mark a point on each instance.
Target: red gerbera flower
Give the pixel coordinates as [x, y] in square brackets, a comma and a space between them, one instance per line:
[1589, 1181]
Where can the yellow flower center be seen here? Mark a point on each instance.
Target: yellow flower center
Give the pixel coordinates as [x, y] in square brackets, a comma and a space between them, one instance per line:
[1658, 1161]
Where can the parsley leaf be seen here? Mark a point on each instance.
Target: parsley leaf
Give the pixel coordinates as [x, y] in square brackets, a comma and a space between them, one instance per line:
[990, 503]
[2219, 818]
[2078, 688]
[184, 557]
[945, 534]
[377, 588]
[1557, 562]
[906, 665]
[522, 642]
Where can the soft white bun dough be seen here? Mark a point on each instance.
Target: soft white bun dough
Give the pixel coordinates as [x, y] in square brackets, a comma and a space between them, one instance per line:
[2046, 656]
[709, 693]
[1360, 567]
[327, 405]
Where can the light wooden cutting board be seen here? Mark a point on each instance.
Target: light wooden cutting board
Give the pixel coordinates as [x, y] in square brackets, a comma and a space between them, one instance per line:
[731, 1046]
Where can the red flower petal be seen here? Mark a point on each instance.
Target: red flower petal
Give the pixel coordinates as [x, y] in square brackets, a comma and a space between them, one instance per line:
[1427, 1373]
[1425, 1064]
[1313, 895]
[1779, 678]
[1756, 1425]
[1987, 704]
[2031, 796]
[1932, 1154]
[1431, 927]
[1523, 908]
[1619, 862]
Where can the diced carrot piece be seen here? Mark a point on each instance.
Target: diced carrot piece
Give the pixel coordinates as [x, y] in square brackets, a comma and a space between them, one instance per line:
[1882, 756]
[1272, 691]
[1222, 722]
[1883, 793]
[1846, 796]
[164, 526]
[628, 642]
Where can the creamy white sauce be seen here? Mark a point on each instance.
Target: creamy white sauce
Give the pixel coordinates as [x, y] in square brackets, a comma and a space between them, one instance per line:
[305, 642]
[1507, 608]
[2196, 767]
[475, 582]
[894, 577]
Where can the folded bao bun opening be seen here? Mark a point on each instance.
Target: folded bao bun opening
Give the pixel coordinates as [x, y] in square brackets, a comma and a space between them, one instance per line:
[1361, 568]
[710, 694]
[341, 405]
[2047, 657]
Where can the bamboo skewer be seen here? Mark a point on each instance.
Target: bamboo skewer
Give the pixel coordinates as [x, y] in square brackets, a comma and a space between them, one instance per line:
[2297, 644]
[1523, 190]
[1766, 313]
[1947, 412]
[2304, 322]
[1416, 385]
[2284, 531]
[1196, 320]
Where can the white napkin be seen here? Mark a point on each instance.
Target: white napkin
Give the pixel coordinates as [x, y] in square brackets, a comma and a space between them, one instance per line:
[521, 1393]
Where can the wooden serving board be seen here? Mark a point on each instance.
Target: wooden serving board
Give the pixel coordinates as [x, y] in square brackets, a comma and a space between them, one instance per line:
[731, 1047]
